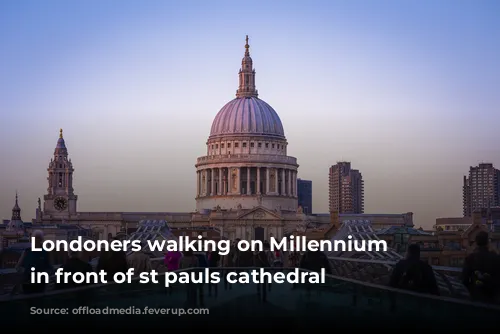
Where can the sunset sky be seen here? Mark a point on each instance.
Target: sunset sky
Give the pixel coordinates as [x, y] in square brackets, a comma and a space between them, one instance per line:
[408, 91]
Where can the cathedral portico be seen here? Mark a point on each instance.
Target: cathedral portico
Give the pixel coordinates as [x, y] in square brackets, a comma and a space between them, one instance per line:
[258, 223]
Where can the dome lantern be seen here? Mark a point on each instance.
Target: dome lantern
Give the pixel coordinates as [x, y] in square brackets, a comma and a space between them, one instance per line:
[247, 76]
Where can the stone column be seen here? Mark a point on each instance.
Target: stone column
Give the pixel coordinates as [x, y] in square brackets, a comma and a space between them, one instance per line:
[289, 192]
[201, 183]
[205, 182]
[212, 180]
[229, 181]
[258, 181]
[294, 185]
[283, 183]
[202, 188]
[248, 180]
[238, 184]
[225, 182]
[197, 183]
[267, 180]
[276, 181]
[205, 173]
[219, 183]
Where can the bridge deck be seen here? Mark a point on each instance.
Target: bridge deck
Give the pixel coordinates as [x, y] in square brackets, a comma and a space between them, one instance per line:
[339, 300]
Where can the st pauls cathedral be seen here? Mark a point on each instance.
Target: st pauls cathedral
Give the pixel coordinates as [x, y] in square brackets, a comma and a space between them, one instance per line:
[246, 182]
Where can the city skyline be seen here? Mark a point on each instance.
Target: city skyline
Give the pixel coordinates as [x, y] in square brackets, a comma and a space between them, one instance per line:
[133, 111]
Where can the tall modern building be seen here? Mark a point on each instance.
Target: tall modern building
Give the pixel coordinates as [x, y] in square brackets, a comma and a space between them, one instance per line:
[346, 189]
[304, 192]
[481, 189]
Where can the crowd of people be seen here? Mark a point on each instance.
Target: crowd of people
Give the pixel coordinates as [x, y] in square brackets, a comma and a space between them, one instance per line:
[480, 272]
[110, 262]
[480, 275]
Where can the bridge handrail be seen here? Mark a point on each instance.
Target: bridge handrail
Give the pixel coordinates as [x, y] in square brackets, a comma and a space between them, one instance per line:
[357, 286]
[14, 271]
[391, 263]
[51, 278]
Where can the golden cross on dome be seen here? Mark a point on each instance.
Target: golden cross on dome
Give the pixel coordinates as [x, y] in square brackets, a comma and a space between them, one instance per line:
[60, 133]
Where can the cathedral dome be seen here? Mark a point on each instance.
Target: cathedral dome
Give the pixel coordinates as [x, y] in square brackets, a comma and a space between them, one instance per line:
[60, 143]
[247, 116]
[246, 163]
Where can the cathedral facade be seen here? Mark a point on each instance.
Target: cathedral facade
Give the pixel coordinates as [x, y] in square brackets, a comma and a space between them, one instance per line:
[246, 182]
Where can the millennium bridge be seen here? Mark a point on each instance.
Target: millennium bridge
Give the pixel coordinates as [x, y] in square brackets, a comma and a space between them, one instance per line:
[356, 295]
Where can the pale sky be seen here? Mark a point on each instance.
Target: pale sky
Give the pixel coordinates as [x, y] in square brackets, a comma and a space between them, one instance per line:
[408, 91]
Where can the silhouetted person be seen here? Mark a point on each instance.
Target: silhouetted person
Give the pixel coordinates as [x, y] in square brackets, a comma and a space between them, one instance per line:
[234, 254]
[278, 257]
[246, 258]
[172, 260]
[315, 261]
[293, 259]
[230, 260]
[202, 263]
[74, 264]
[39, 260]
[213, 258]
[202, 259]
[140, 261]
[481, 269]
[263, 259]
[112, 262]
[414, 274]
[213, 262]
[189, 260]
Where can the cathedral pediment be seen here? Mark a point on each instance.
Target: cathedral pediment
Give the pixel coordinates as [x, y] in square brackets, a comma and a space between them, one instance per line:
[260, 213]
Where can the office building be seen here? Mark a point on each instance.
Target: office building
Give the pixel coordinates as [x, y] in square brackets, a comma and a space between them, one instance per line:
[304, 190]
[481, 189]
[346, 189]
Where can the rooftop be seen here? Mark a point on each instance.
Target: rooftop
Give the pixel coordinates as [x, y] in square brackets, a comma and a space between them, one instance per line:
[398, 229]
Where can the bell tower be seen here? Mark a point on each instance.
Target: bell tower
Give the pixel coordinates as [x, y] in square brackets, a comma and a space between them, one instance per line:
[60, 200]
[16, 223]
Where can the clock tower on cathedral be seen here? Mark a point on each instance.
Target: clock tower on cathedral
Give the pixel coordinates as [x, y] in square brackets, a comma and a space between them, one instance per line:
[60, 201]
